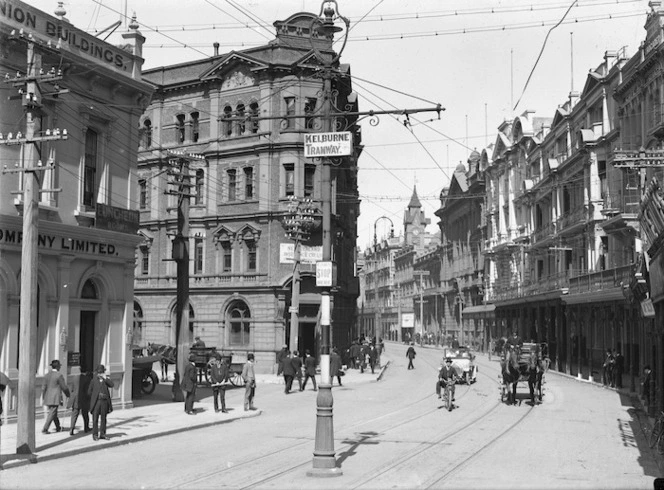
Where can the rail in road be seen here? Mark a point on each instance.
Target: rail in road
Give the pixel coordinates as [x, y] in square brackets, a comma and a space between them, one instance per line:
[492, 419]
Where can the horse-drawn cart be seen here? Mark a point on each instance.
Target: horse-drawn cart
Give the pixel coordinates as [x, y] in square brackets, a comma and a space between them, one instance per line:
[143, 377]
[523, 365]
[203, 357]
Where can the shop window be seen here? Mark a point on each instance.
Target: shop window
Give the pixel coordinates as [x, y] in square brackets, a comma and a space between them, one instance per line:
[238, 319]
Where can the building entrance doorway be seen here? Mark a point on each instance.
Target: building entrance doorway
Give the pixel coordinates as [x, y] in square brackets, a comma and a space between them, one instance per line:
[308, 334]
[87, 340]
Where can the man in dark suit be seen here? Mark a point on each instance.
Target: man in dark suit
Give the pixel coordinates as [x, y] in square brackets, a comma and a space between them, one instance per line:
[100, 402]
[335, 366]
[79, 401]
[296, 361]
[410, 354]
[309, 370]
[189, 386]
[373, 357]
[282, 355]
[288, 371]
[220, 374]
[52, 389]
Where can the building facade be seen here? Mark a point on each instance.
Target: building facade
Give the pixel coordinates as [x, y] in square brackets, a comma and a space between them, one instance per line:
[245, 115]
[88, 198]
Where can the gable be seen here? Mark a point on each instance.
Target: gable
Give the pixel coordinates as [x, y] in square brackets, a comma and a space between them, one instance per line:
[234, 70]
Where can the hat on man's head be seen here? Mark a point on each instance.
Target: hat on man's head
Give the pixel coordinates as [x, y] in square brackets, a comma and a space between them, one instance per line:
[250, 356]
[448, 359]
[55, 363]
[101, 369]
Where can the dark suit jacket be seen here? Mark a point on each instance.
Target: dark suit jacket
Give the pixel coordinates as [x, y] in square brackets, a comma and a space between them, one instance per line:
[288, 367]
[79, 392]
[99, 385]
[410, 353]
[297, 366]
[53, 388]
[220, 372]
[310, 365]
[335, 363]
[189, 377]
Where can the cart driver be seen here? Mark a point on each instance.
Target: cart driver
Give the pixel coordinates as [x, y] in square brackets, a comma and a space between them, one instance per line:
[446, 373]
[514, 342]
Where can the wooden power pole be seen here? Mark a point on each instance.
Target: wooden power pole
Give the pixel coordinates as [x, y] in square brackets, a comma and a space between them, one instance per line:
[30, 168]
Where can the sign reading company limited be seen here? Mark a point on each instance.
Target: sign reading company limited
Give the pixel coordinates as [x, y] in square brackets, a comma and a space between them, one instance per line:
[318, 145]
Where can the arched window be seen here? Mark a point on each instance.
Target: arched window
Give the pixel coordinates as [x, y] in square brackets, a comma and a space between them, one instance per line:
[238, 322]
[228, 123]
[147, 133]
[253, 113]
[89, 290]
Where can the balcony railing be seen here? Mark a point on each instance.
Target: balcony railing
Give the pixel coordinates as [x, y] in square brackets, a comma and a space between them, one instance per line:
[600, 281]
[155, 282]
[543, 232]
[578, 216]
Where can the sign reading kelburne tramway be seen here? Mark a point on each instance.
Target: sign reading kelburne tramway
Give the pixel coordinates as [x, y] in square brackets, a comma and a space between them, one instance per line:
[318, 145]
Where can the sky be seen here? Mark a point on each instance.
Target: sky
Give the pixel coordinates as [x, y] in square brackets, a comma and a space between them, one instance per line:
[484, 61]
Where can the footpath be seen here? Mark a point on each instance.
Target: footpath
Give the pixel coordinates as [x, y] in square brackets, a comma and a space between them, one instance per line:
[152, 416]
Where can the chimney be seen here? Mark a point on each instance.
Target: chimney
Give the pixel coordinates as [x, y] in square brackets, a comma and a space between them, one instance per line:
[216, 49]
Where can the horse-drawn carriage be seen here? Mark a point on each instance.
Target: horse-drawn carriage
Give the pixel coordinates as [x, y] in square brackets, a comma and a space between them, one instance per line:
[525, 364]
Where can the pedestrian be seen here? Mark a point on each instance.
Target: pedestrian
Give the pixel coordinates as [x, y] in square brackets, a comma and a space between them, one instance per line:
[3, 384]
[198, 343]
[335, 366]
[281, 355]
[79, 401]
[355, 350]
[100, 402]
[410, 354]
[289, 372]
[296, 362]
[373, 357]
[619, 368]
[309, 370]
[52, 389]
[189, 385]
[220, 373]
[645, 386]
[249, 377]
[607, 368]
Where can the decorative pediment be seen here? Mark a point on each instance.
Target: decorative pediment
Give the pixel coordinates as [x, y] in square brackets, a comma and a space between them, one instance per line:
[592, 80]
[559, 116]
[249, 233]
[501, 146]
[235, 71]
[147, 237]
[223, 234]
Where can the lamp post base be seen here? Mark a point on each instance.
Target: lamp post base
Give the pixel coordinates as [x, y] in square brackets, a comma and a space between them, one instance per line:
[324, 462]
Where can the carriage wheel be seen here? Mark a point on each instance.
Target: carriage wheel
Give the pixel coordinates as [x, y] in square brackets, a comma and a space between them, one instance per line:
[237, 380]
[448, 399]
[149, 383]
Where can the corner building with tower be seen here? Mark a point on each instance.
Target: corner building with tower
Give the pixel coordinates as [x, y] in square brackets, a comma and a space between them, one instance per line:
[245, 115]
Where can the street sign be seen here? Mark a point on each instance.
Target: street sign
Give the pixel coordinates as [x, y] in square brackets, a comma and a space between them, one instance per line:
[638, 159]
[292, 309]
[318, 145]
[326, 274]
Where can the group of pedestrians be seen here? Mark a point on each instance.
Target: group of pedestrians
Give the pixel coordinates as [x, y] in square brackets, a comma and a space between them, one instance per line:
[363, 352]
[613, 368]
[87, 393]
[292, 367]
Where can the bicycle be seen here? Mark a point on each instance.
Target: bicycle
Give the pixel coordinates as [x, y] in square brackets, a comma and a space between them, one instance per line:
[656, 437]
[447, 395]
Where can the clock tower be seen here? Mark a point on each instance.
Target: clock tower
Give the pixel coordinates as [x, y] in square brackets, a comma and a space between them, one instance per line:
[414, 222]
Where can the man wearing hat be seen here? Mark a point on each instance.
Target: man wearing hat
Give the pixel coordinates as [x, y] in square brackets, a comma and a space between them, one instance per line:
[189, 385]
[52, 389]
[446, 373]
[220, 375]
[100, 401]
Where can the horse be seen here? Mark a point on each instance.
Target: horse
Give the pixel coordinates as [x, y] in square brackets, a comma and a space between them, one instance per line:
[509, 365]
[537, 366]
[166, 355]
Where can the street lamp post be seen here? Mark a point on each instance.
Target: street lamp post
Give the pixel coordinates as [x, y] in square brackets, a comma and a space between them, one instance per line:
[324, 462]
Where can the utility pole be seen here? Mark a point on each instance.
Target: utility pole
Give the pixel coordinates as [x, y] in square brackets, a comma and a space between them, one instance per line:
[31, 168]
[422, 275]
[181, 180]
[298, 224]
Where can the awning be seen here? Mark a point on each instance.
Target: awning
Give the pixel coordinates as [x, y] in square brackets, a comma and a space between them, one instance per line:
[480, 311]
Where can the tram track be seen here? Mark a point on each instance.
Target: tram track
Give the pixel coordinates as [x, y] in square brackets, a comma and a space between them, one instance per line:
[270, 467]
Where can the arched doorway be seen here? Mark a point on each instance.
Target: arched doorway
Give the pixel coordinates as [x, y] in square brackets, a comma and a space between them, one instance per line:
[88, 326]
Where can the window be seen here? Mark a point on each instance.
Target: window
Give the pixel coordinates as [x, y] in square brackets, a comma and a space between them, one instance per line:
[241, 123]
[227, 256]
[251, 255]
[290, 111]
[198, 255]
[194, 127]
[90, 171]
[228, 123]
[238, 319]
[143, 194]
[253, 113]
[137, 331]
[147, 133]
[179, 128]
[289, 179]
[200, 187]
[232, 185]
[309, 173]
[248, 183]
[309, 110]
